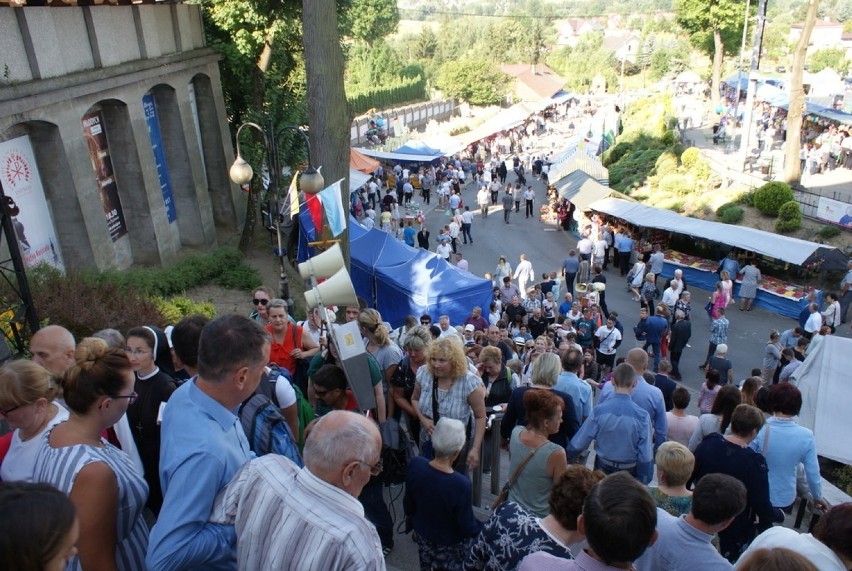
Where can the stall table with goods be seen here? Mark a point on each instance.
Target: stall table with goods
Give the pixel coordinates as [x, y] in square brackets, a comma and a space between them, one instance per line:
[774, 295]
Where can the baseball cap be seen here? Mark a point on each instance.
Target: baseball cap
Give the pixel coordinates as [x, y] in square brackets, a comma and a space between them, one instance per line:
[469, 327]
[519, 341]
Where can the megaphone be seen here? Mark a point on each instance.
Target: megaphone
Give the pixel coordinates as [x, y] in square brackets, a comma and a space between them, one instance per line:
[323, 265]
[336, 290]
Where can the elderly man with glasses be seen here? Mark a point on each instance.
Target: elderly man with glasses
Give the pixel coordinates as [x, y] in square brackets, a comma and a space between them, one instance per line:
[308, 518]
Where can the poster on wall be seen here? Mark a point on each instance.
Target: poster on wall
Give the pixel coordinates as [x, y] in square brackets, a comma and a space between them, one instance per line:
[96, 141]
[30, 215]
[163, 176]
[835, 211]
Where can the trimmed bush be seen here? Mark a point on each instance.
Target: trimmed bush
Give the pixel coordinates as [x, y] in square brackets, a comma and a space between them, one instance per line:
[829, 232]
[771, 196]
[732, 215]
[689, 157]
[666, 164]
[789, 217]
[174, 309]
[676, 184]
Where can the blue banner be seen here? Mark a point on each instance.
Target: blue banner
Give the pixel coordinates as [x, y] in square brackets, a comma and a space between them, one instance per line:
[159, 156]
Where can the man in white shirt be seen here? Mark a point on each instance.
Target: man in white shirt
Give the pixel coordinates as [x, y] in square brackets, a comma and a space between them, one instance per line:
[814, 321]
[443, 250]
[308, 518]
[829, 548]
[445, 327]
[461, 263]
[524, 274]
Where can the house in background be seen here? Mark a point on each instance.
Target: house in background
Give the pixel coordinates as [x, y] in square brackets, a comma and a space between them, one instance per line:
[826, 34]
[568, 31]
[533, 83]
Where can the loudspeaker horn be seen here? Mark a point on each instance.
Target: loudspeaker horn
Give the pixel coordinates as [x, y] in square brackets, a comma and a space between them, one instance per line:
[323, 265]
[336, 290]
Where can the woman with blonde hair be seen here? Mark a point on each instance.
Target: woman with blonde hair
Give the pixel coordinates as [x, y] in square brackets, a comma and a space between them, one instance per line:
[545, 371]
[402, 382]
[100, 479]
[446, 388]
[674, 467]
[386, 353]
[27, 395]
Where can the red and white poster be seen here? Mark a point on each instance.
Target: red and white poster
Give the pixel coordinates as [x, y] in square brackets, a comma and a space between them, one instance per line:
[96, 141]
[30, 215]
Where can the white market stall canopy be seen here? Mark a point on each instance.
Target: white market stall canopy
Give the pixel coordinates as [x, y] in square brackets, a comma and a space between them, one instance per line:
[784, 248]
[583, 190]
[822, 378]
[416, 151]
[585, 162]
[357, 179]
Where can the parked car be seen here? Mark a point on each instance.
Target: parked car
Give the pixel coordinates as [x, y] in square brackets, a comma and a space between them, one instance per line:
[781, 69]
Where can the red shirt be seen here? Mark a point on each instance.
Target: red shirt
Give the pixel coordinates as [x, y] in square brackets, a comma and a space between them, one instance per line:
[280, 352]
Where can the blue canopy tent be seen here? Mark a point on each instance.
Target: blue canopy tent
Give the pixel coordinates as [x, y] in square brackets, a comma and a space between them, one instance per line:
[399, 280]
[368, 249]
[428, 284]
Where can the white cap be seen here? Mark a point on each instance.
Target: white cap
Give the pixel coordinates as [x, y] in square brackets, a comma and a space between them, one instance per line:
[469, 327]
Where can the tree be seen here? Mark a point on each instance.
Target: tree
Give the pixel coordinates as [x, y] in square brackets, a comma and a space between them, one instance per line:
[368, 20]
[835, 58]
[714, 27]
[426, 45]
[328, 112]
[475, 81]
[588, 59]
[792, 167]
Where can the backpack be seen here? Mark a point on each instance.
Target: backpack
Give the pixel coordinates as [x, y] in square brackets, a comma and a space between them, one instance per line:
[304, 411]
[267, 430]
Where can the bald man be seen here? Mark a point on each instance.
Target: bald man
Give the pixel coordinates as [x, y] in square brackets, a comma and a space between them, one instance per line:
[278, 509]
[52, 347]
[646, 396]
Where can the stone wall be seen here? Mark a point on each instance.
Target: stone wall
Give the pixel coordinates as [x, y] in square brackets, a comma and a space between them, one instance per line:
[60, 64]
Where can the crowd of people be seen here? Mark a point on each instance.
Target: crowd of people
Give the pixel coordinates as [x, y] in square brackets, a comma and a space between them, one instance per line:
[134, 450]
[137, 440]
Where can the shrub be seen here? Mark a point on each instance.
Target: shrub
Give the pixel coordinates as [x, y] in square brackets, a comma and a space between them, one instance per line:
[721, 210]
[666, 164]
[672, 203]
[732, 215]
[174, 309]
[771, 196]
[829, 232]
[789, 217]
[676, 184]
[689, 157]
[83, 307]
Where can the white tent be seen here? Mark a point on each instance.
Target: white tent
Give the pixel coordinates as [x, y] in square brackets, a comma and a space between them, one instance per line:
[826, 393]
[784, 248]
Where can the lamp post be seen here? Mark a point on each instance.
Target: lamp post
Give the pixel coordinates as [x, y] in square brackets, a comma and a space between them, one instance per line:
[310, 182]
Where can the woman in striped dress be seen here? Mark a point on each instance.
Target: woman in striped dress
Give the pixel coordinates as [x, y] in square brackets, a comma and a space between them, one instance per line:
[98, 477]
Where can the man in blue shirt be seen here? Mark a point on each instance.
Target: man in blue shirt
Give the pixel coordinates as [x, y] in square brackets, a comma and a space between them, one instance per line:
[685, 541]
[730, 264]
[203, 446]
[569, 382]
[570, 266]
[652, 329]
[649, 397]
[621, 430]
[625, 250]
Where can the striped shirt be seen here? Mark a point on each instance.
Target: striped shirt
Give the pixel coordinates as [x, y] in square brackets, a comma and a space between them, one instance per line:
[60, 466]
[288, 519]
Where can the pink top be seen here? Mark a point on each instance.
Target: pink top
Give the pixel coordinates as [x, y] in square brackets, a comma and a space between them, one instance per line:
[706, 397]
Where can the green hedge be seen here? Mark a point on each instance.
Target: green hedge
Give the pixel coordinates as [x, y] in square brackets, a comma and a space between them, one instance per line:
[769, 197]
[789, 217]
[396, 92]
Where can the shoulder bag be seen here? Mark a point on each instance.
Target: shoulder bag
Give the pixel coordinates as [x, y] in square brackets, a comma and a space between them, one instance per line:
[504, 493]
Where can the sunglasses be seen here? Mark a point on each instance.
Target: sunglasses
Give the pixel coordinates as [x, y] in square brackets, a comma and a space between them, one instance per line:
[260, 301]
